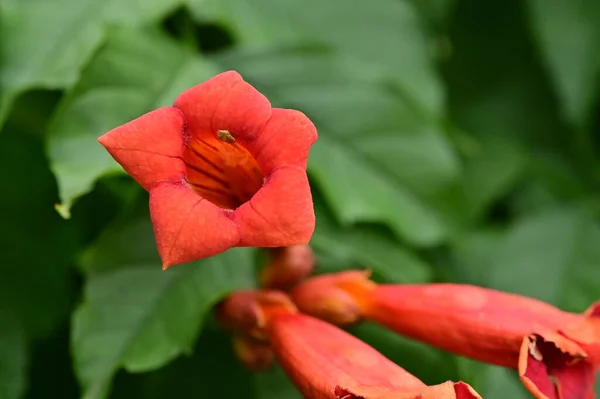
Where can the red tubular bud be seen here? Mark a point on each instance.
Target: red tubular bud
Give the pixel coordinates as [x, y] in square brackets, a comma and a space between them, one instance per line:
[556, 353]
[253, 354]
[249, 312]
[325, 362]
[287, 267]
[339, 298]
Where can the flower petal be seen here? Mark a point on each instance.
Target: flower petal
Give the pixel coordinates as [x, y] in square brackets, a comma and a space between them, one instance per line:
[280, 214]
[149, 148]
[593, 310]
[188, 227]
[550, 358]
[225, 102]
[285, 140]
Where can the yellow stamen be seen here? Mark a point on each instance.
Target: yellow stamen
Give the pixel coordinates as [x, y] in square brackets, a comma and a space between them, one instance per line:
[225, 136]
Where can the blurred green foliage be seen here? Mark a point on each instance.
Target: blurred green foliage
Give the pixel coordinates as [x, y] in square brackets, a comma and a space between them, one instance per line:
[458, 142]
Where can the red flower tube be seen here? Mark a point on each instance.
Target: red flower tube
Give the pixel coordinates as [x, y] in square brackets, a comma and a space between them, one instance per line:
[223, 169]
[323, 361]
[556, 353]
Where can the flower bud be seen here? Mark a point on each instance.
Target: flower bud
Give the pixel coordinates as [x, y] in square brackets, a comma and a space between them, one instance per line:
[287, 267]
[339, 298]
[249, 312]
[253, 354]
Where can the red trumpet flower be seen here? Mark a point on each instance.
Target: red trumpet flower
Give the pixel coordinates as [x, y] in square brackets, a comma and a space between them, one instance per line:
[323, 361]
[556, 353]
[223, 169]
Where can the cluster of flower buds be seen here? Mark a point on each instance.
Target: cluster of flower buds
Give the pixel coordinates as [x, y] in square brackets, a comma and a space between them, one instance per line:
[322, 360]
[225, 169]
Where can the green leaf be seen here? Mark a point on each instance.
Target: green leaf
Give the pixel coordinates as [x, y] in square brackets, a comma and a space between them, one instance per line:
[492, 170]
[45, 44]
[438, 11]
[569, 37]
[366, 248]
[274, 384]
[496, 86]
[360, 192]
[551, 255]
[37, 246]
[13, 358]
[116, 87]
[211, 372]
[138, 317]
[394, 46]
[369, 138]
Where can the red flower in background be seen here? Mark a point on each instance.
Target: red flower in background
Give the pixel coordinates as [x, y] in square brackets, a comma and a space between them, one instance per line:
[556, 353]
[223, 169]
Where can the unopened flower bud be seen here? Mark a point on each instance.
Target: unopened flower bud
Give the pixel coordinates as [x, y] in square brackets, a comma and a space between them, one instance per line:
[253, 354]
[338, 298]
[287, 267]
[249, 312]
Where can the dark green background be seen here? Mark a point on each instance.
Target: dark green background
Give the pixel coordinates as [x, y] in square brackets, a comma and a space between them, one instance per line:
[458, 142]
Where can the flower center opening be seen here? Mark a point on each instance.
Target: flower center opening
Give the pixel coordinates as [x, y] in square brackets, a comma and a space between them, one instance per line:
[221, 170]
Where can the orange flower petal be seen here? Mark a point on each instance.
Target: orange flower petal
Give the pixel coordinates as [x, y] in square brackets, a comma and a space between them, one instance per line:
[225, 102]
[280, 214]
[285, 139]
[553, 367]
[149, 148]
[188, 227]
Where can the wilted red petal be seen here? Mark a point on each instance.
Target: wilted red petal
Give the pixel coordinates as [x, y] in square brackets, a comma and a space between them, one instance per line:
[280, 214]
[285, 139]
[225, 102]
[150, 147]
[553, 367]
[188, 227]
[325, 362]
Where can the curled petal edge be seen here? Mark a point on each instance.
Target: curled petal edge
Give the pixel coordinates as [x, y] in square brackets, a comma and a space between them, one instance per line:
[552, 366]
